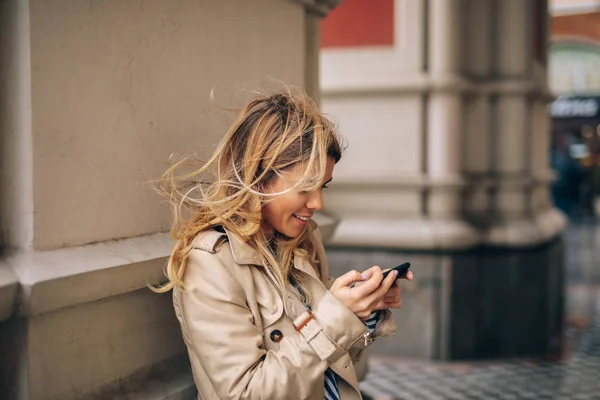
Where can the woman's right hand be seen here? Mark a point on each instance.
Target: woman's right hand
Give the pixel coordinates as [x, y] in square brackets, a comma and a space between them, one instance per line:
[362, 299]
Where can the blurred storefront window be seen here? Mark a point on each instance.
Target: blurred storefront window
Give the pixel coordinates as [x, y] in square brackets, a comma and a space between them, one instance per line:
[574, 77]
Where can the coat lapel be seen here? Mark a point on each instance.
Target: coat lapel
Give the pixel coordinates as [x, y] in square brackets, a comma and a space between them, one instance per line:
[303, 265]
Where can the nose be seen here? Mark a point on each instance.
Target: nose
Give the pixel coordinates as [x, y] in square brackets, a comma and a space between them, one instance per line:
[315, 201]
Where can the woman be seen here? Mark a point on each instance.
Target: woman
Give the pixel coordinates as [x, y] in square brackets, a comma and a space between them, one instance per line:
[259, 315]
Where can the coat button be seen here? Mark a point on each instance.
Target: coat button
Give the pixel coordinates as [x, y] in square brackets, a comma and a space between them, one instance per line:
[276, 336]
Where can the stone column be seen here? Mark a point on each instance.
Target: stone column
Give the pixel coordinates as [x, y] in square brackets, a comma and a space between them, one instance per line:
[447, 167]
[444, 110]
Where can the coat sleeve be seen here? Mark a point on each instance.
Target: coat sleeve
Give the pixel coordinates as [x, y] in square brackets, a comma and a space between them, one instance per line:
[386, 324]
[226, 344]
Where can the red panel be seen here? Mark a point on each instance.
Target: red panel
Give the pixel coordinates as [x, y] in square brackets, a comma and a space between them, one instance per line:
[359, 23]
[580, 26]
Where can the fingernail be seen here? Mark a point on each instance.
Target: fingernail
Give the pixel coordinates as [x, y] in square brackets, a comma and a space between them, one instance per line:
[396, 273]
[364, 277]
[410, 275]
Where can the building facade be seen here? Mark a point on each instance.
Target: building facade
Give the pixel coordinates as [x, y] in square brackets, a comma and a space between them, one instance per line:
[444, 106]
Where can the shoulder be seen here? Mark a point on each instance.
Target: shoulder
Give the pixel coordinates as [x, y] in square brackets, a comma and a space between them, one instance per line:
[209, 240]
[211, 276]
[210, 254]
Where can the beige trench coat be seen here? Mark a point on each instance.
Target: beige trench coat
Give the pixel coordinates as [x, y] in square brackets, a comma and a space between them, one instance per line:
[244, 344]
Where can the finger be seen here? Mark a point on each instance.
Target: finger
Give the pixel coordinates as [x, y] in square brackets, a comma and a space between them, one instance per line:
[391, 299]
[378, 294]
[372, 283]
[385, 305]
[389, 281]
[393, 293]
[395, 288]
[408, 276]
[396, 301]
[348, 278]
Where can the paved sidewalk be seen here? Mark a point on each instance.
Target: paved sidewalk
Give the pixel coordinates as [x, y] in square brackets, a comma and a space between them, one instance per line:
[577, 376]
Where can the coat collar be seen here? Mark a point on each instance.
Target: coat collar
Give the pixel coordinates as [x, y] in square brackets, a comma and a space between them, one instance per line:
[244, 254]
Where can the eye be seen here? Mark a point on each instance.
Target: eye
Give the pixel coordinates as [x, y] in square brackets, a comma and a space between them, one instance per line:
[324, 187]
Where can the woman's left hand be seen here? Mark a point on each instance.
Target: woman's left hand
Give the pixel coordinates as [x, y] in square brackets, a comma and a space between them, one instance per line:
[393, 297]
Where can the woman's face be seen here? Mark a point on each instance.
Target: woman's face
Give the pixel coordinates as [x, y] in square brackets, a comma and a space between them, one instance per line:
[289, 213]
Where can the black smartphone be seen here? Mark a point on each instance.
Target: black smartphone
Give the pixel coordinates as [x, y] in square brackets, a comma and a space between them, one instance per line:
[402, 269]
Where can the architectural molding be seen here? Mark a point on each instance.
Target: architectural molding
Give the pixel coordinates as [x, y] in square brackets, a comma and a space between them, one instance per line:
[419, 234]
[406, 84]
[583, 7]
[428, 234]
[466, 181]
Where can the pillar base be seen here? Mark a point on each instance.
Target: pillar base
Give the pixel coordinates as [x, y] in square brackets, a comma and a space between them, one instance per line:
[485, 302]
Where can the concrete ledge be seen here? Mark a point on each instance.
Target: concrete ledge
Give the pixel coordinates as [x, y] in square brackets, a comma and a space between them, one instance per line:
[51, 280]
[446, 234]
[8, 292]
[55, 279]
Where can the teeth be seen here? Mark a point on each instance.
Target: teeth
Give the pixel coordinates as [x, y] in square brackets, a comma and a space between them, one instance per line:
[302, 218]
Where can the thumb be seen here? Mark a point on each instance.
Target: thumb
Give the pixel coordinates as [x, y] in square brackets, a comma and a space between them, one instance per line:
[349, 277]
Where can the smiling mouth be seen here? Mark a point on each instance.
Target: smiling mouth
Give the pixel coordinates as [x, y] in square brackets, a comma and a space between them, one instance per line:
[301, 218]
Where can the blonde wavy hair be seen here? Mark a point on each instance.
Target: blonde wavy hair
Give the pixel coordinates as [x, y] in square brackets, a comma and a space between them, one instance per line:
[273, 133]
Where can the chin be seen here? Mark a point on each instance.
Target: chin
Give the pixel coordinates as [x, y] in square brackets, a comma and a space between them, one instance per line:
[291, 233]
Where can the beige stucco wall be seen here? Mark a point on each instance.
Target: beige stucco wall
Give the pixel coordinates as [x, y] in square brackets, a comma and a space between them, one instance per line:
[94, 97]
[118, 86]
[66, 363]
